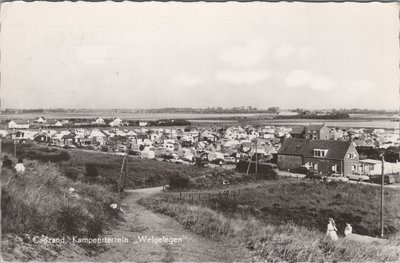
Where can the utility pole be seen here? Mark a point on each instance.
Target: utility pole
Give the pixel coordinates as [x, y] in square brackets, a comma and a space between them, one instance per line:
[15, 148]
[382, 193]
[256, 153]
[126, 166]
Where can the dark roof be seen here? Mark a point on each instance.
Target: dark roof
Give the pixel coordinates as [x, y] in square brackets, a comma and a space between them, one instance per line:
[305, 148]
[293, 146]
[298, 130]
[142, 136]
[69, 136]
[315, 127]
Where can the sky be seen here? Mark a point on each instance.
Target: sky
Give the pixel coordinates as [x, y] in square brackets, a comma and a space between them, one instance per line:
[155, 55]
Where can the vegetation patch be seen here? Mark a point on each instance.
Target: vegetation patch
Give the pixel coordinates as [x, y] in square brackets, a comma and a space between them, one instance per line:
[273, 243]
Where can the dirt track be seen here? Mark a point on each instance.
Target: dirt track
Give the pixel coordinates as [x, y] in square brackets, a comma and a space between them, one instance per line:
[143, 222]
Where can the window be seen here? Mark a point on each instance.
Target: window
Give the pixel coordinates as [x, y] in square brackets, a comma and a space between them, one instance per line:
[320, 153]
[351, 155]
[315, 166]
[354, 167]
[335, 168]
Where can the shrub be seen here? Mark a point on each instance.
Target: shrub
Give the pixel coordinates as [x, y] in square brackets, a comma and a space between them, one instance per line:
[178, 182]
[91, 170]
[39, 202]
[43, 156]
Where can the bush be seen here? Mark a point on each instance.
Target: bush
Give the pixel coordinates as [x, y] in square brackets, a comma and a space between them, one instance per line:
[264, 171]
[178, 182]
[47, 156]
[91, 170]
[39, 202]
[72, 172]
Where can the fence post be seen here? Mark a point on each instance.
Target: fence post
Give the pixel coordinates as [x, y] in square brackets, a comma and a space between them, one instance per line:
[192, 199]
[209, 196]
[180, 195]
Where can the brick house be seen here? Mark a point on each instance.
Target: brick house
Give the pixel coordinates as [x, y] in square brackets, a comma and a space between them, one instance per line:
[325, 156]
[317, 132]
[298, 132]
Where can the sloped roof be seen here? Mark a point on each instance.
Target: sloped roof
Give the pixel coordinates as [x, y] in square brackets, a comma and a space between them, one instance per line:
[298, 130]
[315, 127]
[142, 136]
[305, 148]
[293, 147]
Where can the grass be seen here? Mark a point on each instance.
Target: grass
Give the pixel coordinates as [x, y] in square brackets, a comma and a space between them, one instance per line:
[38, 202]
[270, 242]
[141, 172]
[310, 204]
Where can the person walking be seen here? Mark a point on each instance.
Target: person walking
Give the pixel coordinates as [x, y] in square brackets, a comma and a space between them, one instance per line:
[331, 230]
[19, 167]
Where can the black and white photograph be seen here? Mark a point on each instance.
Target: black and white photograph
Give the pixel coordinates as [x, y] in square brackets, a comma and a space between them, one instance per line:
[199, 131]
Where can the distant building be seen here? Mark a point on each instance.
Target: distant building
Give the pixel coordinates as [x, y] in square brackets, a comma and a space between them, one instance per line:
[298, 132]
[317, 132]
[288, 113]
[18, 125]
[99, 121]
[116, 122]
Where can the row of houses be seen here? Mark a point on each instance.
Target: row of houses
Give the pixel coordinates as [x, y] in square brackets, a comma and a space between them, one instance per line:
[43, 122]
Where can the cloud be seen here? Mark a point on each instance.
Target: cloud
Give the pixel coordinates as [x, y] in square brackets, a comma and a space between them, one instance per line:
[361, 86]
[305, 52]
[283, 51]
[252, 53]
[187, 80]
[243, 77]
[306, 78]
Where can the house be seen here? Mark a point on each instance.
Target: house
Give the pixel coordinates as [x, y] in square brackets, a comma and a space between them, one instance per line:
[18, 124]
[143, 123]
[42, 138]
[71, 138]
[54, 123]
[325, 156]
[40, 120]
[22, 136]
[143, 139]
[98, 136]
[298, 132]
[374, 167]
[318, 132]
[99, 121]
[116, 122]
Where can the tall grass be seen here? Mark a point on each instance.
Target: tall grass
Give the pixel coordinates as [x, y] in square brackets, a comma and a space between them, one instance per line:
[273, 243]
[38, 201]
[310, 204]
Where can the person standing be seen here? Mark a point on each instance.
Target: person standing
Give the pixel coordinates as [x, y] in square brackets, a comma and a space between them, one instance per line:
[7, 163]
[19, 167]
[331, 229]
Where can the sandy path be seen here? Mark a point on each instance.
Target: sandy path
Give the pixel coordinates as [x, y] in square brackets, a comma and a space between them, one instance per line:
[143, 222]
